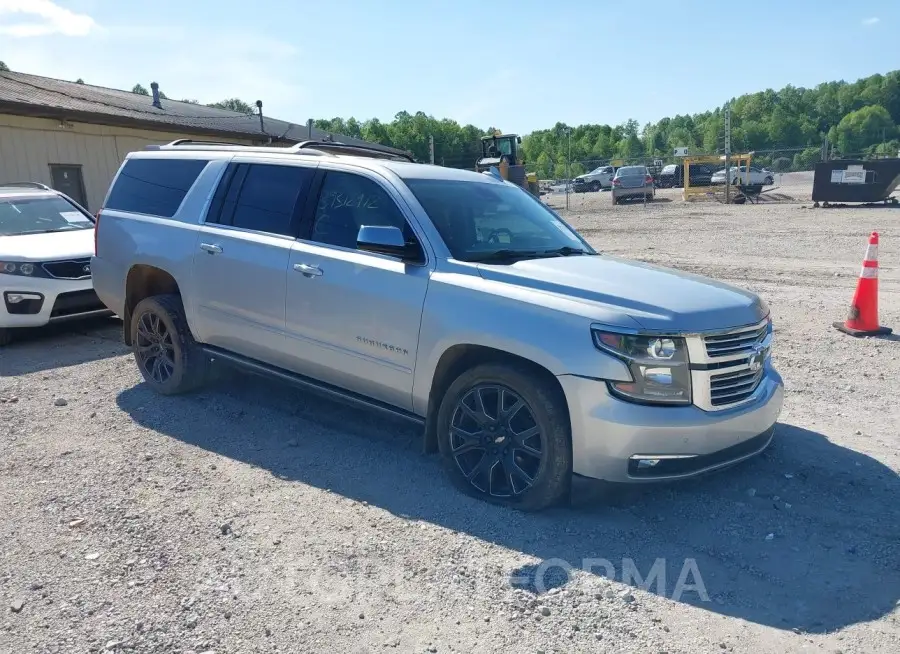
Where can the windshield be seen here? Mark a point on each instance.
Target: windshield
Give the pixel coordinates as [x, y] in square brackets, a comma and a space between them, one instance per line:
[37, 215]
[503, 146]
[481, 221]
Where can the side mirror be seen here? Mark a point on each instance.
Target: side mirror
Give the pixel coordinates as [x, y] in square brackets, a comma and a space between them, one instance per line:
[387, 240]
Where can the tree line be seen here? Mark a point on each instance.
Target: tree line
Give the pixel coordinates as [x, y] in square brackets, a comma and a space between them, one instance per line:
[786, 129]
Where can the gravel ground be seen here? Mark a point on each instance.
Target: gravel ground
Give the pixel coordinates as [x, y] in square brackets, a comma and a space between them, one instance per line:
[254, 518]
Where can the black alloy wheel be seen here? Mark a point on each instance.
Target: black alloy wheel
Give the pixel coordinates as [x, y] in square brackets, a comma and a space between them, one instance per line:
[496, 441]
[155, 348]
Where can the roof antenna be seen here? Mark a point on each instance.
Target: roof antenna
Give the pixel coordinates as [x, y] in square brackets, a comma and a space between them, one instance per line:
[155, 88]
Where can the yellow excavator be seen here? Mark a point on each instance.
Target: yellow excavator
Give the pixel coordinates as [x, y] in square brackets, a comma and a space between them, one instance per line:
[501, 151]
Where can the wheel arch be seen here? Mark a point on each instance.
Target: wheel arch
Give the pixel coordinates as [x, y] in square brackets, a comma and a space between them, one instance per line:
[144, 281]
[455, 360]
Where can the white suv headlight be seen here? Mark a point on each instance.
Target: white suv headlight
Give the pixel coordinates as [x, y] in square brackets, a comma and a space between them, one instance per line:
[658, 364]
[16, 268]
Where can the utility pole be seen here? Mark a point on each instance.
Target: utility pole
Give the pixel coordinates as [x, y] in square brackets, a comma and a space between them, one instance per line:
[568, 161]
[431, 148]
[727, 153]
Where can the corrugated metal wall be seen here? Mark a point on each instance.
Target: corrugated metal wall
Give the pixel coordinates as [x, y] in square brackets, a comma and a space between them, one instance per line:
[28, 147]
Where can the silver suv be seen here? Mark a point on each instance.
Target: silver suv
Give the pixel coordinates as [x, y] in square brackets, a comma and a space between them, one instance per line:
[444, 296]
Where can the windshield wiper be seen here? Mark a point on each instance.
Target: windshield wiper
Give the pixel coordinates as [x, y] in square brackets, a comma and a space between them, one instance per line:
[568, 251]
[511, 256]
[504, 256]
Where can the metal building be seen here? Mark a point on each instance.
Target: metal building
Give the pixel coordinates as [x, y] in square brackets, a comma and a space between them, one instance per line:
[74, 136]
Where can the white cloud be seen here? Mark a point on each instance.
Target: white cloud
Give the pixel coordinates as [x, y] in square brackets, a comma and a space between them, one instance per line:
[42, 18]
[871, 21]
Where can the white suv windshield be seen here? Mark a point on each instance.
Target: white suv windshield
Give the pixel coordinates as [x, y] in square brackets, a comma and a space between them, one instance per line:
[38, 215]
[492, 222]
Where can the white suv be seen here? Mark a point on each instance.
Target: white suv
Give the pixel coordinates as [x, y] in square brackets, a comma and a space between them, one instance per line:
[46, 243]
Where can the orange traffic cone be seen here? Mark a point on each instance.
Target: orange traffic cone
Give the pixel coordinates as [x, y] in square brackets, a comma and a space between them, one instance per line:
[863, 318]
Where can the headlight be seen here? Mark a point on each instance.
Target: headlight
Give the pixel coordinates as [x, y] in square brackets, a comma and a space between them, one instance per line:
[16, 268]
[658, 364]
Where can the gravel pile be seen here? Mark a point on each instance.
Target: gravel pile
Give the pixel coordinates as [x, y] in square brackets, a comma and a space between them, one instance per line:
[254, 518]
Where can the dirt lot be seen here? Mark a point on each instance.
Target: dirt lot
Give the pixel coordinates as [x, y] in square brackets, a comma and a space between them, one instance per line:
[253, 518]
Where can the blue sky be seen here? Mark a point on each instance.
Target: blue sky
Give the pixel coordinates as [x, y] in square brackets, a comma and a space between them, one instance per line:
[519, 65]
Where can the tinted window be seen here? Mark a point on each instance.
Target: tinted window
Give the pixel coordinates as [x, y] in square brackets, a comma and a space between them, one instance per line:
[36, 215]
[267, 198]
[154, 186]
[348, 202]
[475, 219]
[629, 171]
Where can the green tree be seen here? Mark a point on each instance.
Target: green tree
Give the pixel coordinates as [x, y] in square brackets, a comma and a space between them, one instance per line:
[140, 90]
[79, 81]
[233, 104]
[861, 128]
[4, 68]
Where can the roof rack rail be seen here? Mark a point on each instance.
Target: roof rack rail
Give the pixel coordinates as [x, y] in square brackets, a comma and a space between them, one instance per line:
[350, 148]
[189, 143]
[43, 187]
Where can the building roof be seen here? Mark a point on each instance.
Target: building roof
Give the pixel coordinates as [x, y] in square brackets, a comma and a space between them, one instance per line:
[32, 95]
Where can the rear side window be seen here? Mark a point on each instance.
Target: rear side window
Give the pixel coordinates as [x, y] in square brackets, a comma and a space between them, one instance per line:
[154, 186]
[263, 197]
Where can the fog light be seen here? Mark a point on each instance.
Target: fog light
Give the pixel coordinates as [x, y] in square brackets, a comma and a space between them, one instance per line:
[647, 463]
[16, 298]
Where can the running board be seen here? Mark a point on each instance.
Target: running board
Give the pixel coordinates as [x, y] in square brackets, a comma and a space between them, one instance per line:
[306, 383]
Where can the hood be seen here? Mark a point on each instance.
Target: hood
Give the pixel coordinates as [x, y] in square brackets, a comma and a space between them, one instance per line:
[74, 244]
[657, 298]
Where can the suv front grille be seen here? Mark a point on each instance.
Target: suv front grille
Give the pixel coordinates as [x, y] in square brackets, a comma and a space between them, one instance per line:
[72, 269]
[729, 367]
[732, 387]
[735, 343]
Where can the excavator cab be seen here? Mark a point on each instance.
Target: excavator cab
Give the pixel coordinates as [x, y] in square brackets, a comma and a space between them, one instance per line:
[502, 151]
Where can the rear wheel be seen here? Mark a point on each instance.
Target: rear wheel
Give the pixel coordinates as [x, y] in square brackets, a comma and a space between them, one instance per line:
[165, 351]
[768, 181]
[504, 437]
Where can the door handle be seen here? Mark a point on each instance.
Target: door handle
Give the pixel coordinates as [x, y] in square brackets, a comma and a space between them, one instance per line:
[211, 248]
[308, 270]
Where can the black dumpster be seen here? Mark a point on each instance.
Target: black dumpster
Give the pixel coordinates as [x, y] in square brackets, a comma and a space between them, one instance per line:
[855, 180]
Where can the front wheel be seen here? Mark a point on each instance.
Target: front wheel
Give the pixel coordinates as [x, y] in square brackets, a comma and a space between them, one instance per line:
[504, 436]
[169, 358]
[768, 181]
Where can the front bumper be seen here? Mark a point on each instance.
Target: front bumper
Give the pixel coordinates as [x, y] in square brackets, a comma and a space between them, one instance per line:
[38, 301]
[611, 437]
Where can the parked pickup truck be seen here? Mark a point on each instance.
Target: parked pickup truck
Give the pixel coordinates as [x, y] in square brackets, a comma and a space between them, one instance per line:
[450, 298]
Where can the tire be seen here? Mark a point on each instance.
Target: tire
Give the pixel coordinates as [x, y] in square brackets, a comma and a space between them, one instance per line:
[176, 363]
[543, 464]
[595, 187]
[768, 181]
[5, 336]
[614, 200]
